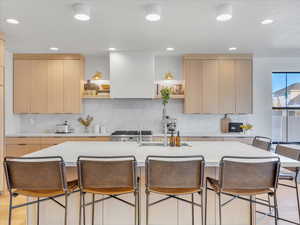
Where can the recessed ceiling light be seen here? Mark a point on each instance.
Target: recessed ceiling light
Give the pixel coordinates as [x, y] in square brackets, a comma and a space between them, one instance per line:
[111, 49]
[81, 12]
[12, 21]
[232, 49]
[224, 12]
[153, 12]
[170, 49]
[54, 48]
[267, 21]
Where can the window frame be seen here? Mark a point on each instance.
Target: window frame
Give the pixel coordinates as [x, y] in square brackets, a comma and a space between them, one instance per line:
[286, 108]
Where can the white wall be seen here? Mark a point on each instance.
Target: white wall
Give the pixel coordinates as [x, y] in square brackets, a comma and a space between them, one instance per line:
[146, 114]
[12, 121]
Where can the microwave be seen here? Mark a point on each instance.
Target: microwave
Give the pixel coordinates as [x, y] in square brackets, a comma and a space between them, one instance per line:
[235, 127]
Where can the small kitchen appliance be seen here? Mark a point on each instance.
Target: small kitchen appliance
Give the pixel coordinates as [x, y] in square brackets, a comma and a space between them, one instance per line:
[64, 128]
[235, 127]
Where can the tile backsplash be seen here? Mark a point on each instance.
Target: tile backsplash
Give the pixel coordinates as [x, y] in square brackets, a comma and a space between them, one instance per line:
[128, 114]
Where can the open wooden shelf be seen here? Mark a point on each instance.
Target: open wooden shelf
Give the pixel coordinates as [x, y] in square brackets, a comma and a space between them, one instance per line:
[107, 96]
[172, 97]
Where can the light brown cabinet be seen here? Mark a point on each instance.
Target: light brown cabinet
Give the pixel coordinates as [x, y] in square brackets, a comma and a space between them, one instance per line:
[47, 83]
[55, 86]
[226, 86]
[19, 146]
[218, 84]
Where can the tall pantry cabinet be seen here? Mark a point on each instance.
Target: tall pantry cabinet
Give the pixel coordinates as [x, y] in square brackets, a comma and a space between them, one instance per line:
[1, 110]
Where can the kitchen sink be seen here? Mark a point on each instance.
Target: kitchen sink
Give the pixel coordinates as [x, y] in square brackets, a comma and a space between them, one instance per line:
[154, 144]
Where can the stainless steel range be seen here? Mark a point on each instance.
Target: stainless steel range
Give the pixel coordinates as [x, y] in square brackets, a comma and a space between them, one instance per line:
[132, 135]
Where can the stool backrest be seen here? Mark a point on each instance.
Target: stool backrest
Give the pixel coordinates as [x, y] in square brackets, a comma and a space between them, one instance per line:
[174, 171]
[106, 172]
[262, 143]
[249, 172]
[288, 152]
[35, 173]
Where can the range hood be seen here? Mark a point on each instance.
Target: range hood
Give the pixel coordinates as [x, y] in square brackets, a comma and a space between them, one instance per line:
[132, 74]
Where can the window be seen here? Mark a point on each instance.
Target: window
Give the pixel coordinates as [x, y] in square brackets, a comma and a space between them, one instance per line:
[286, 107]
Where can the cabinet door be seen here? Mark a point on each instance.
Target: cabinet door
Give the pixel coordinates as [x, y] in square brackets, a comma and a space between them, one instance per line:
[22, 85]
[193, 70]
[210, 86]
[39, 86]
[1, 75]
[18, 150]
[55, 86]
[71, 84]
[1, 135]
[226, 86]
[243, 77]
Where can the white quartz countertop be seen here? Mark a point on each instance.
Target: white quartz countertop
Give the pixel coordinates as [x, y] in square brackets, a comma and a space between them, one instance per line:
[212, 151]
[183, 134]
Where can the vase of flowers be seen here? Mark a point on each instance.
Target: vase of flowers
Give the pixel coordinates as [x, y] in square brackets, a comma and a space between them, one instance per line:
[246, 127]
[86, 122]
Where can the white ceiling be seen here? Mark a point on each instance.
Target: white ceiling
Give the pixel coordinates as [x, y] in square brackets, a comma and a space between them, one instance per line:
[187, 25]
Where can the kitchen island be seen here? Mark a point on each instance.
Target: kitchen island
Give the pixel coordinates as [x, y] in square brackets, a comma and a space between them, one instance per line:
[170, 212]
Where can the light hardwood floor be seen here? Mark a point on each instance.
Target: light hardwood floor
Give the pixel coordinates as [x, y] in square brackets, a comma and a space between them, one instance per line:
[286, 199]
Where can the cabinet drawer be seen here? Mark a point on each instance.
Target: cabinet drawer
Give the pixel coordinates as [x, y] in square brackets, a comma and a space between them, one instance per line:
[22, 140]
[18, 150]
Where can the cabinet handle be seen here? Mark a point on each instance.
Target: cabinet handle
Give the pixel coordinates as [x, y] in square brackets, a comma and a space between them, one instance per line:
[21, 144]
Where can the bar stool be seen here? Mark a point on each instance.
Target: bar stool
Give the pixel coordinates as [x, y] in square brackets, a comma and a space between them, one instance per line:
[290, 174]
[108, 175]
[262, 143]
[242, 177]
[40, 177]
[173, 176]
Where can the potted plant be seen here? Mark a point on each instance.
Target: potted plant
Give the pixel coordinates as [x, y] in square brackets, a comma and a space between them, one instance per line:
[165, 95]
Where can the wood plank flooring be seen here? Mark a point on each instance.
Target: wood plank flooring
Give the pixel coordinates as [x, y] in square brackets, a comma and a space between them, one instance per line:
[286, 199]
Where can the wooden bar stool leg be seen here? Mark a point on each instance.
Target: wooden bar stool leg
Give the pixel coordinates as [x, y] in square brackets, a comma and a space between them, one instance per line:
[93, 209]
[38, 212]
[193, 213]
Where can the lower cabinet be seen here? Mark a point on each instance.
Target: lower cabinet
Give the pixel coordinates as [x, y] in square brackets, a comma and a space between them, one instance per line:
[21, 146]
[18, 150]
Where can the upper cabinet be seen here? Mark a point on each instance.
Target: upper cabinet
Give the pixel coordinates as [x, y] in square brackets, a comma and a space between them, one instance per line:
[218, 84]
[132, 75]
[47, 83]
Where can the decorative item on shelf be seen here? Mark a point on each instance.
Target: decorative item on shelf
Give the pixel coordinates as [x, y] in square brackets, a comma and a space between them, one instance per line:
[86, 122]
[90, 89]
[176, 87]
[168, 76]
[97, 76]
[246, 127]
